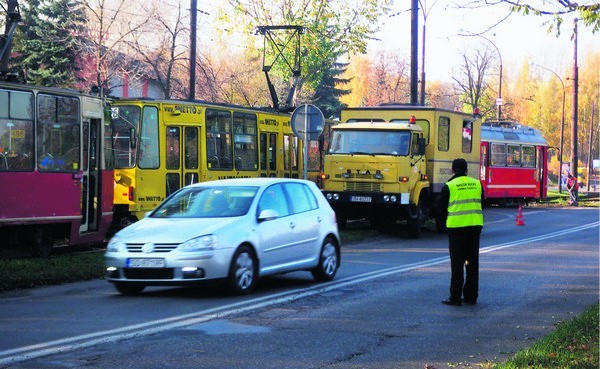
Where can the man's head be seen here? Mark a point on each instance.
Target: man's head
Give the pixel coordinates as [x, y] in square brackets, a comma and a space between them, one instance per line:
[459, 166]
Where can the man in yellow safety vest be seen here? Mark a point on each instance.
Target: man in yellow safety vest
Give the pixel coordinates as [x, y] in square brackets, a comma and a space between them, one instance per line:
[461, 203]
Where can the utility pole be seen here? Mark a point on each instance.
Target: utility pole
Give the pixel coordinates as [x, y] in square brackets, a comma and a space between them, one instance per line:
[574, 157]
[13, 16]
[590, 163]
[194, 13]
[414, 52]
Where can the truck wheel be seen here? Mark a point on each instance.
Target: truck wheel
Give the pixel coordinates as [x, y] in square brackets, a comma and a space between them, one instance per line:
[413, 221]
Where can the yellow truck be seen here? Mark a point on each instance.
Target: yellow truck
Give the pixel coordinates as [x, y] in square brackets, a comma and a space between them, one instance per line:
[389, 163]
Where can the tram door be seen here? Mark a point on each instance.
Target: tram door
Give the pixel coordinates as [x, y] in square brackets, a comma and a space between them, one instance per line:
[268, 154]
[90, 168]
[542, 168]
[182, 164]
[291, 157]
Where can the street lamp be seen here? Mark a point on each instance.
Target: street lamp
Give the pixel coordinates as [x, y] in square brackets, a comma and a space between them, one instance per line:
[562, 128]
[425, 12]
[499, 100]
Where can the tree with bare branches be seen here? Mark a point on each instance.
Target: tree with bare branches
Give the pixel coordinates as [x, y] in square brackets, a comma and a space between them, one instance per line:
[111, 24]
[471, 81]
[166, 55]
[587, 10]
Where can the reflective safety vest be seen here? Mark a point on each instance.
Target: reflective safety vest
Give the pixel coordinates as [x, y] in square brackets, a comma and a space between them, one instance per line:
[464, 205]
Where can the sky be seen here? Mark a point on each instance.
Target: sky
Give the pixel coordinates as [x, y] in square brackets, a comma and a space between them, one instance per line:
[517, 39]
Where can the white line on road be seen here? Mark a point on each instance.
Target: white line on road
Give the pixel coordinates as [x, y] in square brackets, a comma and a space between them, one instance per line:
[82, 341]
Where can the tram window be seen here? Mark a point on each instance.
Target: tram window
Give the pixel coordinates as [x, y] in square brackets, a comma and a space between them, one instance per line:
[218, 139]
[528, 156]
[467, 136]
[191, 148]
[58, 143]
[173, 139]
[513, 156]
[244, 138]
[172, 183]
[109, 159]
[498, 157]
[16, 131]
[444, 134]
[272, 158]
[290, 152]
[314, 156]
[149, 148]
[263, 151]
[126, 120]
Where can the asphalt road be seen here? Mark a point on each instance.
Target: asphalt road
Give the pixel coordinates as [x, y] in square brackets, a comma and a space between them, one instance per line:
[382, 311]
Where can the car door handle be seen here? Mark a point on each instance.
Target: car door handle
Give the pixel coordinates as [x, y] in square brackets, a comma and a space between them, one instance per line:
[319, 219]
[292, 225]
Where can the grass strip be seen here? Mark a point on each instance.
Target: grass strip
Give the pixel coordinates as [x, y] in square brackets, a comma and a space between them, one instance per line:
[27, 273]
[573, 345]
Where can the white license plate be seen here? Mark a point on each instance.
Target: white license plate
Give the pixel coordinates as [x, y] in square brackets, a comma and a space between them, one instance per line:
[145, 263]
[360, 198]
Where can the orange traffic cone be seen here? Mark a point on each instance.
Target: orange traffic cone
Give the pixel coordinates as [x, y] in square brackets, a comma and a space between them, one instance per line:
[520, 220]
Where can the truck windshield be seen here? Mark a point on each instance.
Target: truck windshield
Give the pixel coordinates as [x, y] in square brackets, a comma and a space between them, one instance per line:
[370, 142]
[126, 121]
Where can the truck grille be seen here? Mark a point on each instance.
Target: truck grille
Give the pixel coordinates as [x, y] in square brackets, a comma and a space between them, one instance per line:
[362, 186]
[355, 176]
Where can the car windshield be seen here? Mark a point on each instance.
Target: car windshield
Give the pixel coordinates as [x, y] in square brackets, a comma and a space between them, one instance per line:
[207, 202]
[384, 142]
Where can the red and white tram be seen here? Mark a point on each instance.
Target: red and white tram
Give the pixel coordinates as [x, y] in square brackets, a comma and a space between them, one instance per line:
[56, 171]
[513, 163]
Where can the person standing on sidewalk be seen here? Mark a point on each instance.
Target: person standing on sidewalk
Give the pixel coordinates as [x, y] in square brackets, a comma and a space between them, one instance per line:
[461, 203]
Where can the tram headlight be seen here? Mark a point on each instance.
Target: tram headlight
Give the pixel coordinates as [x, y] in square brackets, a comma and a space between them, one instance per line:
[386, 198]
[393, 198]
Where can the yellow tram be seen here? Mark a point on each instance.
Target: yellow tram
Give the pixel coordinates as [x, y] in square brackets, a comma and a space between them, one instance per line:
[163, 145]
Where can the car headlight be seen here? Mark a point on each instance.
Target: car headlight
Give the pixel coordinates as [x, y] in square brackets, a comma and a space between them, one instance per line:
[115, 245]
[202, 243]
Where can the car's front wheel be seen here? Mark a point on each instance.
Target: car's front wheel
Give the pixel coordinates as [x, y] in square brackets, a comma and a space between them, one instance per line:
[243, 271]
[329, 261]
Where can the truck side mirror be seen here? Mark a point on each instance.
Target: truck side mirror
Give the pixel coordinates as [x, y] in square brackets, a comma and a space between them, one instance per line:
[421, 146]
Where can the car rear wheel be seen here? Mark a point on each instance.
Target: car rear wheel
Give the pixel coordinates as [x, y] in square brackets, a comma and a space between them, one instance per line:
[129, 289]
[243, 271]
[329, 261]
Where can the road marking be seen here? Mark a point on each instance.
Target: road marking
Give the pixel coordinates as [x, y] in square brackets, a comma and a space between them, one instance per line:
[82, 341]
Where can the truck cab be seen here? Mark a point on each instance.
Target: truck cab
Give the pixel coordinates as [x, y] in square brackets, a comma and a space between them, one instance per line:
[389, 163]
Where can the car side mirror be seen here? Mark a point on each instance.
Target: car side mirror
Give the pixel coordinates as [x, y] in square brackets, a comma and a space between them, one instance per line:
[268, 214]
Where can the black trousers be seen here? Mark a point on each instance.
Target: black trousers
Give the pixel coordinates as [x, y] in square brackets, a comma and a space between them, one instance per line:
[464, 256]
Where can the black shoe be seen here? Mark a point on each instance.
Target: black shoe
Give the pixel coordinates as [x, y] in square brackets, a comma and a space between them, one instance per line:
[470, 302]
[451, 302]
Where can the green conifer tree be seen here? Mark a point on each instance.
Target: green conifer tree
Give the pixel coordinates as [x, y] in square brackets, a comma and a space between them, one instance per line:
[50, 40]
[327, 93]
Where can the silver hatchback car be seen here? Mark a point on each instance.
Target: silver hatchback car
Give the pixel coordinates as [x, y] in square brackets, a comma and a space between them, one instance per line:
[234, 229]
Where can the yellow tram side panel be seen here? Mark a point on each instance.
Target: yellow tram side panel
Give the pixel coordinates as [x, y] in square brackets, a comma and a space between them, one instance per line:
[149, 185]
[439, 162]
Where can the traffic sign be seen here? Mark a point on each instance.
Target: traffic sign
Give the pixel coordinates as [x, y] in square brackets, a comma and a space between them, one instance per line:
[307, 122]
